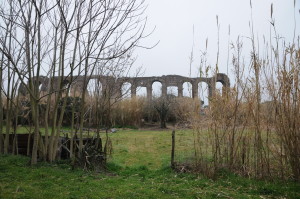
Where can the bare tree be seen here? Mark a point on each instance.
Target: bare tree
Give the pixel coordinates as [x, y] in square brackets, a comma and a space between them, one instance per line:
[63, 40]
[162, 106]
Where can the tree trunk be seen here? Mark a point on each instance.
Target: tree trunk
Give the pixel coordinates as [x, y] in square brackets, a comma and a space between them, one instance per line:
[35, 115]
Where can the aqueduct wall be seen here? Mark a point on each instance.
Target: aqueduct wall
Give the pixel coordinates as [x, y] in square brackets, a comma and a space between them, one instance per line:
[114, 85]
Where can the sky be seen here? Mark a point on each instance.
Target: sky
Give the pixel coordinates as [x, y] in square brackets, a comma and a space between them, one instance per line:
[180, 24]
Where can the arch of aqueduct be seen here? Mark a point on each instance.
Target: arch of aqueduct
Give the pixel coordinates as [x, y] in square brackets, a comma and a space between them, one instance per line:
[114, 85]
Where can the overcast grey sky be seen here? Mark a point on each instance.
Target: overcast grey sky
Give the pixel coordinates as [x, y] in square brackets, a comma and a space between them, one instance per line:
[174, 21]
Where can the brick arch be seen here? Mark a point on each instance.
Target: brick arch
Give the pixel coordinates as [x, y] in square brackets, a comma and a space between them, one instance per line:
[114, 84]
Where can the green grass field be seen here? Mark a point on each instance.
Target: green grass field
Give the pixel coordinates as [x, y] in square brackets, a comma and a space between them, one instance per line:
[149, 148]
[138, 168]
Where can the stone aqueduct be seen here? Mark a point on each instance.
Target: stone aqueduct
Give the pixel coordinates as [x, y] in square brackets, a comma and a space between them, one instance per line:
[115, 84]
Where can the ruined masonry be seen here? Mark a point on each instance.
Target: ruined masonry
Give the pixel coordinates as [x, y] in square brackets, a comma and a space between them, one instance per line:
[113, 86]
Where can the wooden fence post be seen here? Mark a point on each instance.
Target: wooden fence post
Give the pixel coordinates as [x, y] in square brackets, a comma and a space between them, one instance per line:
[173, 150]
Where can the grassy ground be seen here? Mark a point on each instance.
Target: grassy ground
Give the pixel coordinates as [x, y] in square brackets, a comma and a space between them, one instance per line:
[138, 169]
[149, 148]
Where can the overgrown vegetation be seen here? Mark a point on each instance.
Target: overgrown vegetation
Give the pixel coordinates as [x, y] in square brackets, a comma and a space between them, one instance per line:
[253, 128]
[129, 177]
[46, 49]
